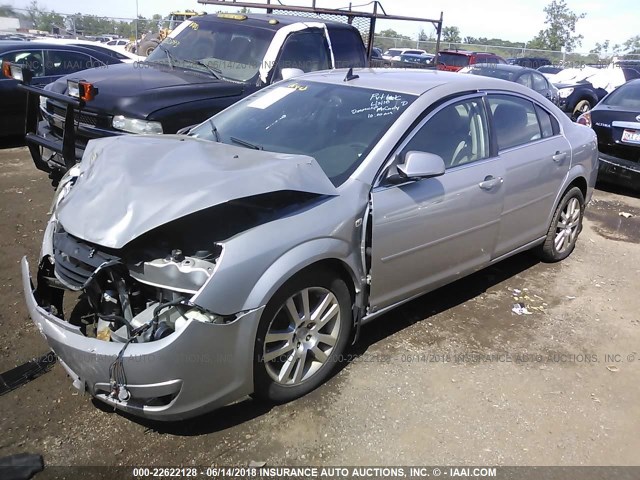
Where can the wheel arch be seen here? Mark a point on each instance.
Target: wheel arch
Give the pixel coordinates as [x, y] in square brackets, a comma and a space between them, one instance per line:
[326, 253]
[575, 178]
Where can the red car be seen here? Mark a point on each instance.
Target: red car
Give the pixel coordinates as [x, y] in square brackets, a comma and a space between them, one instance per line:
[454, 60]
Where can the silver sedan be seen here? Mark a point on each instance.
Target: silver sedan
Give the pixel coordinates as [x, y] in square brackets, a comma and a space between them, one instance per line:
[243, 258]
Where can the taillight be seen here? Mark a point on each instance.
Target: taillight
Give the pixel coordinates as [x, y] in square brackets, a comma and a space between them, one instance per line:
[584, 119]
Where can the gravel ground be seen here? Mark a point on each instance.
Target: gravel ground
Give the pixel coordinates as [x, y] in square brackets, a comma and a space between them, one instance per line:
[454, 377]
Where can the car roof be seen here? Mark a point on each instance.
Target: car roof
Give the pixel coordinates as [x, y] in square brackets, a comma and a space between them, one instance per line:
[408, 81]
[500, 66]
[262, 20]
[6, 45]
[466, 52]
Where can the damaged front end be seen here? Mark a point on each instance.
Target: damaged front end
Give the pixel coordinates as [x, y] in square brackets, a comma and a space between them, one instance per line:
[126, 330]
[119, 302]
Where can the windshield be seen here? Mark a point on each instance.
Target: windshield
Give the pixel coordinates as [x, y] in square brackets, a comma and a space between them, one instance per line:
[394, 52]
[626, 96]
[232, 49]
[335, 124]
[453, 59]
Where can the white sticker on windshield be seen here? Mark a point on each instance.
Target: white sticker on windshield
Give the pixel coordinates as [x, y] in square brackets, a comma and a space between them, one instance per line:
[271, 97]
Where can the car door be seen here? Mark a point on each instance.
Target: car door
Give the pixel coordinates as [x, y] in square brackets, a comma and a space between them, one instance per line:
[536, 159]
[428, 232]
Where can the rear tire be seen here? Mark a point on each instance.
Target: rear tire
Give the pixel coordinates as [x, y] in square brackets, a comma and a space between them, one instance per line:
[302, 335]
[565, 227]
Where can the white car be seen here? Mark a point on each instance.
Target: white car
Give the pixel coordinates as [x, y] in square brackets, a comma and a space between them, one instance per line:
[396, 53]
[117, 52]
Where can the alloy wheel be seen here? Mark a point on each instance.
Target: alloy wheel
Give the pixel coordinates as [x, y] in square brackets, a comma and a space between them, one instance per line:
[568, 226]
[302, 336]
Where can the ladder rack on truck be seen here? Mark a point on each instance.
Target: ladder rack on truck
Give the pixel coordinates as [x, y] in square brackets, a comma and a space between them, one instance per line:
[347, 15]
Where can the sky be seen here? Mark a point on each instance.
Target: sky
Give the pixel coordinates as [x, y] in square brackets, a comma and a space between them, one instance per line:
[615, 20]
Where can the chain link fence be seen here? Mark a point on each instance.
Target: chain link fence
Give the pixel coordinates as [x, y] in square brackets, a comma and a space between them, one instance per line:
[570, 59]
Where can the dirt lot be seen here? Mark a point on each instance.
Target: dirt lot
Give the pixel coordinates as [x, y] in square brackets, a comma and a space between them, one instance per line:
[453, 378]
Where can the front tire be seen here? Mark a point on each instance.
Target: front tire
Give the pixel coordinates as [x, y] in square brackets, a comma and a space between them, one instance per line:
[302, 334]
[565, 227]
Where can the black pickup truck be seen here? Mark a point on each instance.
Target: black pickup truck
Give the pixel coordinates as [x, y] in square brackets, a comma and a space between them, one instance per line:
[205, 65]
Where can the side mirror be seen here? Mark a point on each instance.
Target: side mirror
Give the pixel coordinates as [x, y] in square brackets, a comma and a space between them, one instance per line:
[288, 73]
[421, 165]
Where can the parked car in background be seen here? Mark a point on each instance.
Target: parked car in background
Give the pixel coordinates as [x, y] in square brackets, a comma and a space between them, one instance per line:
[454, 60]
[616, 121]
[423, 59]
[122, 55]
[244, 257]
[531, 62]
[581, 94]
[118, 43]
[513, 73]
[548, 70]
[396, 53]
[376, 53]
[48, 62]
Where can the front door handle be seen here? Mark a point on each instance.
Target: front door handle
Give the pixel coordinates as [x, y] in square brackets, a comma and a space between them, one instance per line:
[559, 156]
[490, 182]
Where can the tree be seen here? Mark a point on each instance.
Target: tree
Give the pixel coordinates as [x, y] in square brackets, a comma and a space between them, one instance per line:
[391, 33]
[632, 45]
[451, 35]
[561, 30]
[7, 11]
[424, 37]
[601, 49]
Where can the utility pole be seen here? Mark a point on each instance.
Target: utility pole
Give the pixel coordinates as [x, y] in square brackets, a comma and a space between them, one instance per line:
[136, 40]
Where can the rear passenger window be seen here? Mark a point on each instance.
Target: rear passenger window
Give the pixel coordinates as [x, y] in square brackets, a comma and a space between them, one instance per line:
[546, 123]
[514, 120]
[346, 48]
[539, 83]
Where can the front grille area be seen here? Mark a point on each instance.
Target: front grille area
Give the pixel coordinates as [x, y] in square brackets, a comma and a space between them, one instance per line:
[88, 119]
[85, 118]
[75, 260]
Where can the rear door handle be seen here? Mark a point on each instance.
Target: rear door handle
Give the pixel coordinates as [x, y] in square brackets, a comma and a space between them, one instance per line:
[559, 156]
[490, 182]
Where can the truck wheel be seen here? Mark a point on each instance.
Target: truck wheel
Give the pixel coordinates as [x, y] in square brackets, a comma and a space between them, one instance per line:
[581, 107]
[146, 48]
[302, 333]
[565, 227]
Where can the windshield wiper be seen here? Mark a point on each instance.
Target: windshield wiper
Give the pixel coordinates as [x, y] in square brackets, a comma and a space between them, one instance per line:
[244, 143]
[214, 71]
[169, 55]
[214, 130]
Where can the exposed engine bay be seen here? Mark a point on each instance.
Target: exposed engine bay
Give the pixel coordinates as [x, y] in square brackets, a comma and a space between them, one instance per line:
[142, 292]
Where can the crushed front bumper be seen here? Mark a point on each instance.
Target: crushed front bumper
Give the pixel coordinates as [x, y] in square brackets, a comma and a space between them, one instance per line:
[201, 368]
[619, 171]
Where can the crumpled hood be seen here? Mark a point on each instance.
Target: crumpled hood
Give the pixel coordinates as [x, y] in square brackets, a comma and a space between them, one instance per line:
[129, 185]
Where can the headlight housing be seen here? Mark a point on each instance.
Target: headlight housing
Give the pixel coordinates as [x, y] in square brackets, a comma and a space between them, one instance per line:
[134, 125]
[43, 102]
[565, 92]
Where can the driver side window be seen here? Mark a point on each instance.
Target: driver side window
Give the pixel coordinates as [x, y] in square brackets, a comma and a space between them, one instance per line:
[458, 133]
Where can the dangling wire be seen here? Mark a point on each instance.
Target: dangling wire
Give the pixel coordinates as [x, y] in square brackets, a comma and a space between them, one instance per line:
[117, 375]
